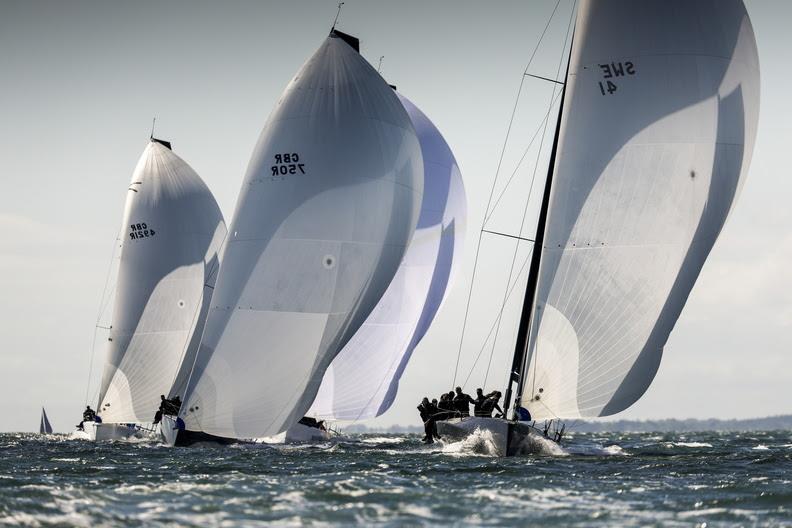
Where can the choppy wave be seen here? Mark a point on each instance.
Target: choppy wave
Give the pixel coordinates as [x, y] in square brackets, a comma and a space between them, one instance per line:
[599, 479]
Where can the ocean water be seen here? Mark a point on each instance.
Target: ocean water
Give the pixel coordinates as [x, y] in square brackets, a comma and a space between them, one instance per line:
[691, 479]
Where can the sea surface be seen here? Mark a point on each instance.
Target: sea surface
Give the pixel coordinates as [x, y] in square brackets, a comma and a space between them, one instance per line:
[641, 479]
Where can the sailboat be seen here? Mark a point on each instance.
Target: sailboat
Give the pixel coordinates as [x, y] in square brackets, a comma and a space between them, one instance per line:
[362, 381]
[44, 424]
[655, 133]
[327, 208]
[172, 231]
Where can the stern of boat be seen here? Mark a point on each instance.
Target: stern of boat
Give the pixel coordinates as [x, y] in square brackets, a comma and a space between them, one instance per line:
[300, 434]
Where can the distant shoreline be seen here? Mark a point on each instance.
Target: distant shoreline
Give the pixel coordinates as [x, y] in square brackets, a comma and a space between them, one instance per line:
[769, 423]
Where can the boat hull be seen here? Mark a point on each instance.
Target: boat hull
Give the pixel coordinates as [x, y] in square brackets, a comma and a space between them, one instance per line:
[300, 434]
[174, 435]
[510, 438]
[103, 432]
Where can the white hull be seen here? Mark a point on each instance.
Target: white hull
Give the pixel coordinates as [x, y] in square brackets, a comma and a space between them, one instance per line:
[509, 438]
[102, 432]
[299, 434]
[168, 430]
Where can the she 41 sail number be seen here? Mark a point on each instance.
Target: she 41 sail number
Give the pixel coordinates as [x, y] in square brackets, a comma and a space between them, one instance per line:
[287, 163]
[611, 70]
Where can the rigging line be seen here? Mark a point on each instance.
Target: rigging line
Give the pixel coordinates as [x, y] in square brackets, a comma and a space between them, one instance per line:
[337, 15]
[522, 226]
[517, 100]
[484, 346]
[508, 235]
[99, 317]
[548, 79]
[570, 24]
[522, 158]
[492, 190]
[525, 209]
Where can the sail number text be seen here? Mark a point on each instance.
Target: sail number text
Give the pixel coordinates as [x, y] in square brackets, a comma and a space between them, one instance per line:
[140, 230]
[287, 163]
[613, 70]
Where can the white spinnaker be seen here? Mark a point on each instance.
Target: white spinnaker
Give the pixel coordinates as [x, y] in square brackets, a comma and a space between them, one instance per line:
[327, 208]
[363, 379]
[648, 169]
[172, 231]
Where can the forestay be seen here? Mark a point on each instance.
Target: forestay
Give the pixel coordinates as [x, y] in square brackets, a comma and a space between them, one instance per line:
[327, 208]
[172, 230]
[656, 137]
[363, 379]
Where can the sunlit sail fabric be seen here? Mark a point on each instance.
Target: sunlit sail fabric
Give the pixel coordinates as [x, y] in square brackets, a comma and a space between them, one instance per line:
[327, 208]
[657, 134]
[363, 379]
[172, 230]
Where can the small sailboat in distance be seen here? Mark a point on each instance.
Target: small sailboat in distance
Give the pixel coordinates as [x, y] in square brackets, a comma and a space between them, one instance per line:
[44, 425]
[327, 208]
[172, 232]
[655, 133]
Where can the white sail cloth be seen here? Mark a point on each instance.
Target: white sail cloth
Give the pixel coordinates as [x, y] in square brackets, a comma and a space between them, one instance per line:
[363, 379]
[172, 230]
[657, 134]
[327, 208]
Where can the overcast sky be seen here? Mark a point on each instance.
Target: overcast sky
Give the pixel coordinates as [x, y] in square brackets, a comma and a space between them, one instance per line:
[80, 82]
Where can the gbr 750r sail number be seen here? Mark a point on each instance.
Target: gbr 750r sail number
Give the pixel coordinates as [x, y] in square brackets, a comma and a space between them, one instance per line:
[287, 163]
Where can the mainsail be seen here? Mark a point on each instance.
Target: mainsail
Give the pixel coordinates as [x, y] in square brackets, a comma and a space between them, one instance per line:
[656, 137]
[44, 425]
[363, 379]
[172, 231]
[327, 208]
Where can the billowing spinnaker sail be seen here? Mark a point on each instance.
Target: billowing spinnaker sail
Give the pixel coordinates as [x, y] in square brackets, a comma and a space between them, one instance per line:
[362, 380]
[44, 425]
[327, 208]
[172, 232]
[656, 136]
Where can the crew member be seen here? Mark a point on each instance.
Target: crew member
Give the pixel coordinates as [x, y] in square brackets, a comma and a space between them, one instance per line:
[478, 403]
[491, 403]
[462, 402]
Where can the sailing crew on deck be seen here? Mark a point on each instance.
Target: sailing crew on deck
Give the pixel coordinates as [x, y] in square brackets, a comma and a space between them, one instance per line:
[491, 403]
[168, 407]
[429, 412]
[89, 415]
[462, 402]
[446, 405]
[176, 404]
[478, 403]
[163, 405]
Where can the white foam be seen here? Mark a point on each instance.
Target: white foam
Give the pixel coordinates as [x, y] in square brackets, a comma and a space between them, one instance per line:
[479, 442]
[384, 440]
[534, 444]
[699, 513]
[691, 444]
[591, 450]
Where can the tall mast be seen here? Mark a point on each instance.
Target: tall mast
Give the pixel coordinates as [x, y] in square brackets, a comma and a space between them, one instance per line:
[527, 314]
